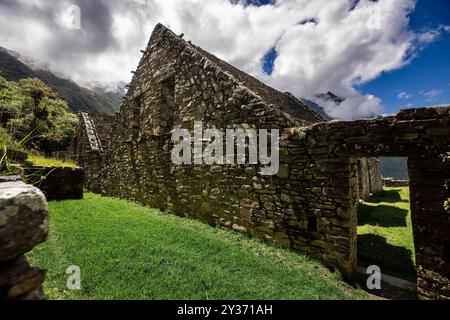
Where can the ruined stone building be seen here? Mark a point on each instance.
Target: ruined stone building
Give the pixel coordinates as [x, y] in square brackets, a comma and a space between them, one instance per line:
[88, 145]
[311, 204]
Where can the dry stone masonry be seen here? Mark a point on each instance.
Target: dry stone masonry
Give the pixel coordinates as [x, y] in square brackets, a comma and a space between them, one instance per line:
[92, 134]
[370, 180]
[394, 183]
[23, 225]
[311, 204]
[57, 183]
[422, 135]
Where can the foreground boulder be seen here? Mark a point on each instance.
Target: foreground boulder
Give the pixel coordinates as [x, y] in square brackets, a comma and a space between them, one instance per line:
[23, 225]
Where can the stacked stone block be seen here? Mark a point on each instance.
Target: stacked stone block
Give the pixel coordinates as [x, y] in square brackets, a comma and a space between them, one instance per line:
[431, 224]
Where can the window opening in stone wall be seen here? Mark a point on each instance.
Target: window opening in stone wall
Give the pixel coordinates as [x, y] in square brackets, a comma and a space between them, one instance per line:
[168, 107]
[136, 116]
[312, 224]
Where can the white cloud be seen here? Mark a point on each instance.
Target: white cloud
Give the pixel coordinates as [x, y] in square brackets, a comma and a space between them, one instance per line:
[403, 95]
[432, 94]
[445, 28]
[428, 36]
[344, 48]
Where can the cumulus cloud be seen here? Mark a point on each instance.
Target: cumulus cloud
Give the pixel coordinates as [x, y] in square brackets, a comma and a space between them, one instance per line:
[320, 45]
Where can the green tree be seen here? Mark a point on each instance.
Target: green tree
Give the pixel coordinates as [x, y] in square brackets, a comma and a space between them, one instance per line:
[31, 106]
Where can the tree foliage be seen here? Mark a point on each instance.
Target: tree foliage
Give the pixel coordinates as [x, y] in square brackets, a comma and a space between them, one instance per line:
[29, 105]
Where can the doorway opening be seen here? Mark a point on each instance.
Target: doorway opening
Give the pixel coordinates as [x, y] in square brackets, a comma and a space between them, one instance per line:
[385, 233]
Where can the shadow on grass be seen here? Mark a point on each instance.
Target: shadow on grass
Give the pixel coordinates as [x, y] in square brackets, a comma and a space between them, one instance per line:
[387, 196]
[381, 215]
[392, 260]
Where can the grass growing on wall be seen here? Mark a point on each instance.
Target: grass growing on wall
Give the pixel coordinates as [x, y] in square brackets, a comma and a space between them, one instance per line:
[127, 251]
[39, 160]
[385, 235]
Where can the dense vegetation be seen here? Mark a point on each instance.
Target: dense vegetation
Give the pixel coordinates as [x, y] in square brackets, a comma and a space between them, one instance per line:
[127, 251]
[34, 114]
[385, 236]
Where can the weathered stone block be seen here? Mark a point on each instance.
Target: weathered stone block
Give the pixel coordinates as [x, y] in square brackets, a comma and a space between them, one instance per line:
[23, 219]
[283, 171]
[247, 203]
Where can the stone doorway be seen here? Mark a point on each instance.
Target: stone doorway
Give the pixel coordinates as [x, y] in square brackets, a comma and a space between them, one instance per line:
[430, 229]
[385, 235]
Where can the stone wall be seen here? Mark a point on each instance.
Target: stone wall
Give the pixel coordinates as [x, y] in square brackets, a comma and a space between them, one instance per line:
[57, 183]
[370, 180]
[422, 135]
[393, 183]
[300, 208]
[103, 126]
[174, 86]
[23, 225]
[87, 146]
[310, 205]
[431, 226]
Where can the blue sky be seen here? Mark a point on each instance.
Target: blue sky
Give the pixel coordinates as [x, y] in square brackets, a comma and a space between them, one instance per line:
[426, 80]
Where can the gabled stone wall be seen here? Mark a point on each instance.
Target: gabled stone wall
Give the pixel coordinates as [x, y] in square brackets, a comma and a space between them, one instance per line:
[300, 208]
[174, 86]
[103, 125]
[87, 146]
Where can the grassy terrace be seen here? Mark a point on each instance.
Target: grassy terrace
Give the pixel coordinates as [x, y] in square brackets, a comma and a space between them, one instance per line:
[39, 160]
[385, 233]
[127, 251]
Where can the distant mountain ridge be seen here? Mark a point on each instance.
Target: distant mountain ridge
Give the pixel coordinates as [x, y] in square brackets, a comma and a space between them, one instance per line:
[394, 167]
[315, 107]
[330, 96]
[78, 98]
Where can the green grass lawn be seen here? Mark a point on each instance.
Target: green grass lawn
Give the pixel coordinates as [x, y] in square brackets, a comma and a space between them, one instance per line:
[127, 251]
[39, 160]
[385, 235]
